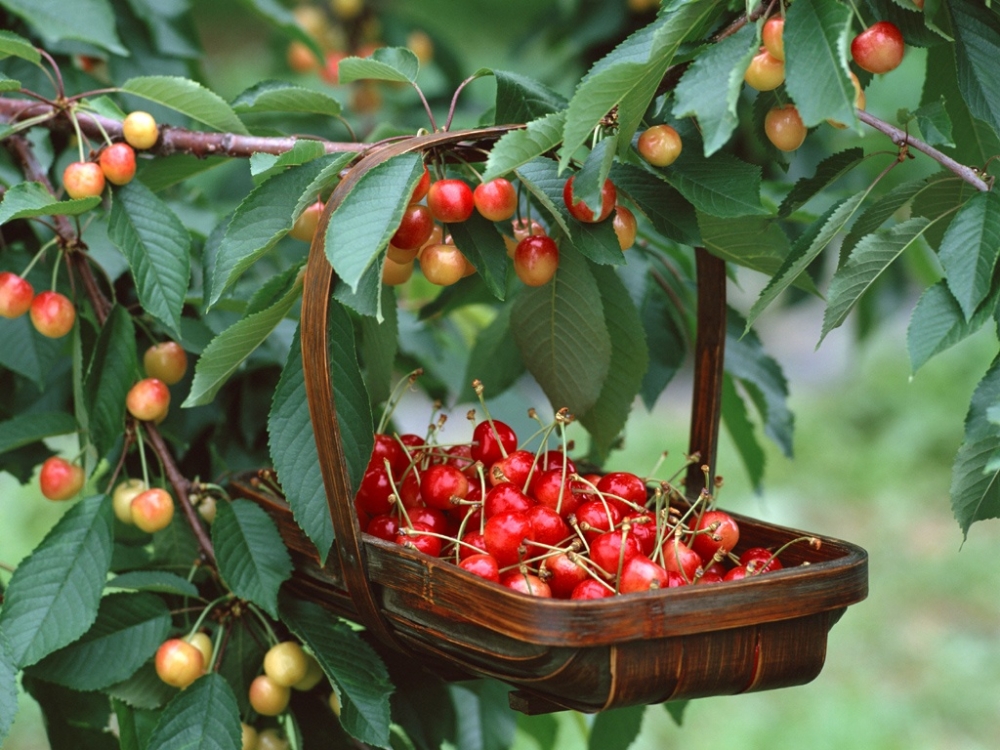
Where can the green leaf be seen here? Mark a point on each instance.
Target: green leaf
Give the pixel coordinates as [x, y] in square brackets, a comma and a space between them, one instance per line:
[494, 359]
[485, 721]
[518, 147]
[204, 716]
[676, 710]
[242, 658]
[872, 256]
[607, 417]
[817, 34]
[264, 166]
[721, 185]
[880, 211]
[665, 338]
[561, 333]
[934, 123]
[616, 729]
[135, 725]
[91, 21]
[710, 88]
[484, 247]
[588, 183]
[54, 594]
[31, 427]
[969, 250]
[113, 370]
[282, 96]
[379, 344]
[351, 663]
[72, 719]
[229, 349]
[668, 211]
[157, 246]
[252, 557]
[385, 64]
[737, 421]
[522, 99]
[978, 421]
[157, 581]
[282, 19]
[29, 199]
[938, 323]
[8, 688]
[975, 491]
[128, 630]
[362, 225]
[189, 98]
[8, 84]
[977, 44]
[831, 169]
[166, 171]
[943, 196]
[18, 46]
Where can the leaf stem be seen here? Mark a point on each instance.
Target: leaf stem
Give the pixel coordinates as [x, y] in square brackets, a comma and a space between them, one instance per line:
[427, 106]
[454, 99]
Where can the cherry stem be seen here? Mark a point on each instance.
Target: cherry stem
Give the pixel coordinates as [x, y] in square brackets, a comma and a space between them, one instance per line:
[271, 635]
[58, 82]
[204, 613]
[79, 133]
[142, 454]
[454, 99]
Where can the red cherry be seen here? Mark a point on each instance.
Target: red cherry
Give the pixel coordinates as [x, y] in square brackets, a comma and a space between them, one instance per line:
[440, 483]
[496, 200]
[706, 544]
[711, 577]
[549, 489]
[594, 518]
[484, 566]
[563, 574]
[536, 260]
[473, 544]
[660, 145]
[491, 441]
[384, 527]
[680, 558]
[460, 456]
[52, 314]
[83, 179]
[504, 535]
[387, 447]
[642, 574]
[514, 468]
[414, 228]
[15, 295]
[556, 460]
[736, 574]
[442, 264]
[450, 201]
[625, 227]
[581, 212]
[423, 185]
[166, 361]
[59, 479]
[331, 71]
[117, 162]
[548, 527]
[152, 510]
[606, 550]
[429, 545]
[374, 491]
[430, 518]
[760, 560]
[623, 488]
[526, 583]
[148, 400]
[506, 497]
[591, 589]
[643, 529]
[409, 490]
[879, 48]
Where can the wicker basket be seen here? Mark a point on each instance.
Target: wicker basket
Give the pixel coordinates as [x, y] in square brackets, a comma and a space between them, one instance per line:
[764, 632]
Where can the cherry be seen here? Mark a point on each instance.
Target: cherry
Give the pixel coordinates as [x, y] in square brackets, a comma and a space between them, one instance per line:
[203, 643]
[522, 228]
[760, 560]
[179, 663]
[271, 739]
[484, 566]
[765, 71]
[773, 37]
[152, 510]
[396, 274]
[720, 539]
[423, 185]
[595, 518]
[784, 127]
[643, 529]
[659, 145]
[305, 225]
[711, 576]
[491, 441]
[536, 260]
[331, 67]
[313, 675]
[140, 130]
[440, 483]
[431, 519]
[736, 574]
[495, 200]
[607, 553]
[401, 256]
[83, 179]
[625, 485]
[548, 527]
[550, 489]
[166, 361]
[625, 227]
[563, 573]
[581, 212]
[506, 497]
[442, 264]
[526, 583]
[387, 447]
[286, 663]
[374, 492]
[556, 459]
[59, 479]
[117, 162]
[472, 543]
[122, 497]
[642, 574]
[384, 527]
[859, 99]
[15, 295]
[414, 228]
[680, 558]
[514, 468]
[591, 589]
[879, 48]
[450, 201]
[267, 697]
[300, 58]
[148, 400]
[248, 737]
[429, 545]
[409, 490]
[52, 314]
[460, 456]
[504, 534]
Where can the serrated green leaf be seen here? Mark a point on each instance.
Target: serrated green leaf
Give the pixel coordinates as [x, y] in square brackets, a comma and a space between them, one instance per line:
[29, 199]
[385, 64]
[817, 34]
[872, 256]
[31, 427]
[113, 370]
[54, 594]
[710, 88]
[242, 658]
[737, 421]
[938, 323]
[204, 716]
[879, 212]
[616, 729]
[588, 183]
[165, 171]
[934, 123]
[135, 725]
[72, 719]
[607, 417]
[969, 250]
[157, 246]
[8, 84]
[128, 630]
[978, 423]
[494, 359]
[484, 247]
[485, 721]
[90, 21]
[721, 185]
[189, 98]
[8, 688]
[975, 491]
[665, 337]
[282, 96]
[522, 99]
[668, 211]
[977, 44]
[831, 169]
[156, 581]
[229, 349]
[943, 196]
[252, 557]
[351, 663]
[379, 344]
[518, 147]
[562, 336]
[18, 46]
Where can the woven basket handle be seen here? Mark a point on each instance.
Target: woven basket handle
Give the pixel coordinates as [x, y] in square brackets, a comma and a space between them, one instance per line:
[318, 287]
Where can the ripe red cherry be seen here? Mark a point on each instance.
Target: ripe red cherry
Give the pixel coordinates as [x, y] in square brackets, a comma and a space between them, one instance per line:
[117, 162]
[536, 260]
[595, 518]
[442, 264]
[526, 583]
[711, 576]
[440, 483]
[491, 441]
[496, 200]
[52, 314]
[429, 545]
[581, 212]
[879, 48]
[659, 145]
[460, 456]
[423, 185]
[547, 527]
[522, 228]
[472, 544]
[550, 490]
[59, 479]
[504, 535]
[619, 486]
[506, 497]
[759, 560]
[514, 468]
[706, 544]
[606, 550]
[166, 361]
[374, 491]
[563, 574]
[765, 71]
[680, 558]
[83, 179]
[784, 128]
[152, 510]
[484, 566]
[384, 527]
[773, 37]
[414, 228]
[556, 459]
[431, 519]
[643, 529]
[450, 201]
[387, 447]
[148, 400]
[15, 295]
[642, 574]
[591, 589]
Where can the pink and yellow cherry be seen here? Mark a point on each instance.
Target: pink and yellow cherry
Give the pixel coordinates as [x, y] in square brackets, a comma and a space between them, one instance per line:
[152, 510]
[117, 162]
[248, 737]
[421, 45]
[495, 200]
[784, 127]
[879, 48]
[450, 201]
[314, 673]
[581, 212]
[300, 58]
[203, 643]
[83, 179]
[16, 295]
[395, 273]
[660, 145]
[140, 130]
[166, 361]
[859, 99]
[267, 697]
[179, 663]
[286, 663]
[52, 314]
[772, 36]
[148, 400]
[271, 739]
[414, 228]
[625, 227]
[59, 479]
[331, 67]
[536, 260]
[765, 71]
[423, 185]
[122, 497]
[305, 226]
[522, 228]
[442, 264]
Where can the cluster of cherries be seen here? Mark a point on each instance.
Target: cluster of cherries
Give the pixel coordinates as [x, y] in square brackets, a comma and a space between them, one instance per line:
[529, 521]
[419, 238]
